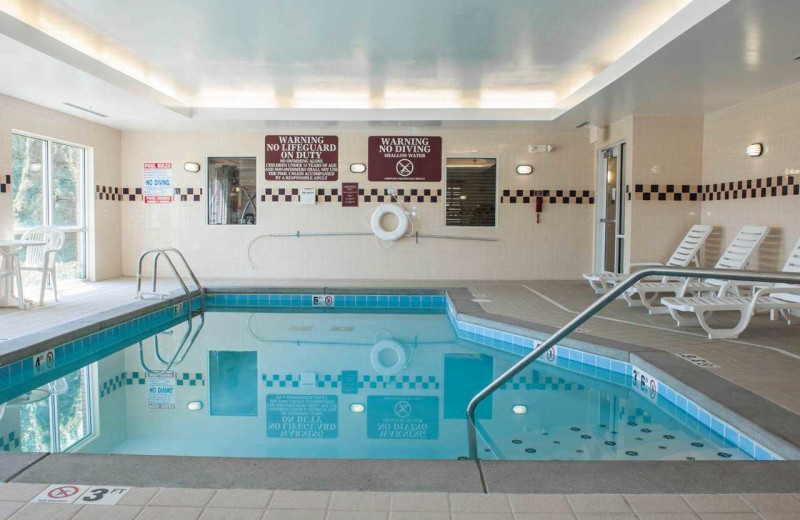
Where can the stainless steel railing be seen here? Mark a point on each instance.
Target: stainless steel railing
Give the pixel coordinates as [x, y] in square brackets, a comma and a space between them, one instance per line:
[166, 252]
[618, 290]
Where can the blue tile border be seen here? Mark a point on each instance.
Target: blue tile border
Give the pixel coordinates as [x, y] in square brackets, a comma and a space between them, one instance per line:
[88, 346]
[339, 301]
[612, 370]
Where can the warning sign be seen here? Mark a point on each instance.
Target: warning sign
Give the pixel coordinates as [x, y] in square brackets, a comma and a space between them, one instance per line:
[157, 179]
[301, 158]
[405, 158]
[302, 416]
[61, 493]
[161, 391]
[403, 418]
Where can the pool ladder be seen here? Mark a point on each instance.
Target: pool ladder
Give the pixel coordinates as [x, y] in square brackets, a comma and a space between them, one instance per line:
[618, 290]
[166, 251]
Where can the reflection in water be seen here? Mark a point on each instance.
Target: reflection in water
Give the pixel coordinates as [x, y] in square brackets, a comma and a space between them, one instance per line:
[340, 385]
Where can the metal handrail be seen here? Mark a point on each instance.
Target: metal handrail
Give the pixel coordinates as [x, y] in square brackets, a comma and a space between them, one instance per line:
[166, 251]
[618, 290]
[180, 350]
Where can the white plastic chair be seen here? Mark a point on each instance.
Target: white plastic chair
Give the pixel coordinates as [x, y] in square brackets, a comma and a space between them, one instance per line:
[43, 258]
[10, 268]
[685, 254]
[783, 298]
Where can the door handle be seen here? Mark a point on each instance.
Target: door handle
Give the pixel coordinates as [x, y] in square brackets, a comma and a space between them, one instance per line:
[607, 220]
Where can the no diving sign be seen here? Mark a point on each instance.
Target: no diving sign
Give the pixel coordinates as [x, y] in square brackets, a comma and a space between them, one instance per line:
[82, 494]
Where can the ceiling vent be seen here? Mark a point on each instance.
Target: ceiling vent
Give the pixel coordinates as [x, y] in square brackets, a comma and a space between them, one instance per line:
[581, 124]
[78, 107]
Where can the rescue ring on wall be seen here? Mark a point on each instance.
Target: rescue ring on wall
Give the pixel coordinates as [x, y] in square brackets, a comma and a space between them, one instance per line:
[383, 233]
[388, 357]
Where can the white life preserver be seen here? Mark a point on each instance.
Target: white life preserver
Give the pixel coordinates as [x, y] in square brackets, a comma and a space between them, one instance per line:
[402, 222]
[392, 367]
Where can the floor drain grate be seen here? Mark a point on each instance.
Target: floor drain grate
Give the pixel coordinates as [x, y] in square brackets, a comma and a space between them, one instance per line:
[697, 361]
[305, 328]
[341, 329]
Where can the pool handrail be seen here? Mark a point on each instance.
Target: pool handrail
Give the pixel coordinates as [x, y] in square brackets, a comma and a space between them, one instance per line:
[166, 251]
[618, 290]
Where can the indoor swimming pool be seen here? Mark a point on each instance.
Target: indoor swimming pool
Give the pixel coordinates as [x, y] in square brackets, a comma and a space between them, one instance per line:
[375, 377]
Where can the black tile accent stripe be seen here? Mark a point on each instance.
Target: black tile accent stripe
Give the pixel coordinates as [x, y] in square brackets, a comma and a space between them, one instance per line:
[5, 184]
[134, 194]
[778, 186]
[550, 196]
[667, 192]
[410, 196]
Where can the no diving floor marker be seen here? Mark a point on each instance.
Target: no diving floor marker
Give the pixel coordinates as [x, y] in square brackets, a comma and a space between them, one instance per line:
[82, 494]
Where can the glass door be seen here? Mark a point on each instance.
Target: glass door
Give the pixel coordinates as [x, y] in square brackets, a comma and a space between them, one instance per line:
[49, 179]
[611, 210]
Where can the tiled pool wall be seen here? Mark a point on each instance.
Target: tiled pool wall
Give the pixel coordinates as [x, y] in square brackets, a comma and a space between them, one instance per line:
[18, 372]
[336, 301]
[621, 372]
[600, 367]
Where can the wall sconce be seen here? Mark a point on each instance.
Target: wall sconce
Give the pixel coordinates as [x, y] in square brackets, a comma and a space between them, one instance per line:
[358, 167]
[755, 150]
[191, 167]
[357, 408]
[524, 169]
[193, 406]
[519, 409]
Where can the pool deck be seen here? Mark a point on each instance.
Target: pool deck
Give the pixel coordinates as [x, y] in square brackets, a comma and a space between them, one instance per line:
[763, 364]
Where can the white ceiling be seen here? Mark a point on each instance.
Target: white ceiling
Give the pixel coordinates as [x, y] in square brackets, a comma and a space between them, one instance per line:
[199, 63]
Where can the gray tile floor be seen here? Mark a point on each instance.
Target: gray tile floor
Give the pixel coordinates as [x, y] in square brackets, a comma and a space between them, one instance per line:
[235, 504]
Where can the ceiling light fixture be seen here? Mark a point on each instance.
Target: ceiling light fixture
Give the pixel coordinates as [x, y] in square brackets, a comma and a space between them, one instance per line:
[755, 150]
[78, 107]
[191, 167]
[524, 169]
[358, 167]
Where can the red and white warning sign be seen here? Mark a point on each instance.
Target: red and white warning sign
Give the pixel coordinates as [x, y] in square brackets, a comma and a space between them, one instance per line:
[83, 494]
[61, 493]
[157, 183]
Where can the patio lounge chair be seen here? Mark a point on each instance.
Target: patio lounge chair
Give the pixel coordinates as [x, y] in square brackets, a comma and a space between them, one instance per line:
[737, 256]
[685, 254]
[783, 298]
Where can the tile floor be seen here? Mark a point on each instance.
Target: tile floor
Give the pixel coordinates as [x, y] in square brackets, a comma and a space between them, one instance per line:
[236, 504]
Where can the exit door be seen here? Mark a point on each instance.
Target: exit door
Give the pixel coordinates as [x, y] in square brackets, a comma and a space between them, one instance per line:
[610, 232]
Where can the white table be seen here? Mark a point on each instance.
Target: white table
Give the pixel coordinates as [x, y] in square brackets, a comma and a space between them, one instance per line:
[7, 298]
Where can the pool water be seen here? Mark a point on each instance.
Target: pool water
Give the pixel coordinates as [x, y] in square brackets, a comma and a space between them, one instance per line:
[340, 384]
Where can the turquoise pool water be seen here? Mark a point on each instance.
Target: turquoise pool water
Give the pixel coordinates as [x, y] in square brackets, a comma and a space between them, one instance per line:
[345, 383]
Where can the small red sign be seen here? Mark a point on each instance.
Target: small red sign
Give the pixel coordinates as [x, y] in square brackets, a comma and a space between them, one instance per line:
[405, 158]
[349, 194]
[301, 158]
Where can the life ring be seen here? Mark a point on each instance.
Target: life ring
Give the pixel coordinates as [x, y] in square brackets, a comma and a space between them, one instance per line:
[394, 349]
[402, 222]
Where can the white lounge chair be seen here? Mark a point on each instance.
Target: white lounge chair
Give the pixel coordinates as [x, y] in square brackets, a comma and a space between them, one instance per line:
[685, 254]
[42, 259]
[737, 256]
[783, 298]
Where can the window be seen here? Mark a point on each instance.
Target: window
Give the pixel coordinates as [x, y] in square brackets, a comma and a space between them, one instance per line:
[231, 190]
[58, 415]
[471, 192]
[48, 186]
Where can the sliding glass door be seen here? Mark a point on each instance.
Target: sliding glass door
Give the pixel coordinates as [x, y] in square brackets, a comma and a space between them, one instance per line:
[49, 189]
